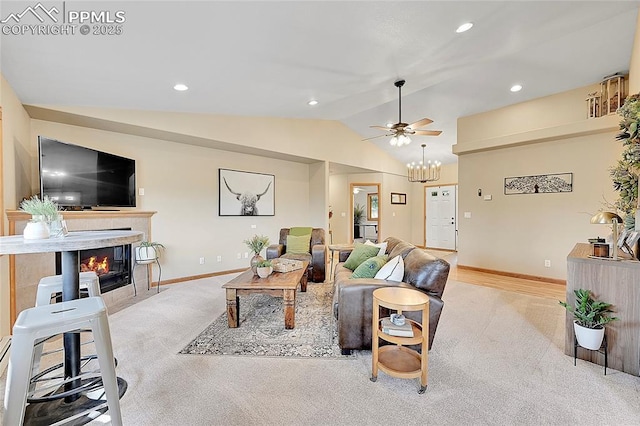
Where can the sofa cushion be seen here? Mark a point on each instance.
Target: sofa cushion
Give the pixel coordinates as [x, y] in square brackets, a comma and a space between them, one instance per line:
[300, 230]
[370, 267]
[381, 246]
[393, 270]
[298, 256]
[359, 254]
[298, 244]
[401, 249]
[426, 272]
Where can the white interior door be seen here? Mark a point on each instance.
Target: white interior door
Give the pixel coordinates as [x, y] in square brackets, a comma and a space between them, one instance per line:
[441, 221]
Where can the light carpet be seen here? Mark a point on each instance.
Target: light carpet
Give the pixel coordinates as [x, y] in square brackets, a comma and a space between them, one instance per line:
[497, 359]
[261, 329]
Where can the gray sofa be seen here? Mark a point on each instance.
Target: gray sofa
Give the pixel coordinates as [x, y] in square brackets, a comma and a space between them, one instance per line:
[353, 298]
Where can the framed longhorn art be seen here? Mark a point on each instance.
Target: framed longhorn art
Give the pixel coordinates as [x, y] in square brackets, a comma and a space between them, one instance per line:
[245, 193]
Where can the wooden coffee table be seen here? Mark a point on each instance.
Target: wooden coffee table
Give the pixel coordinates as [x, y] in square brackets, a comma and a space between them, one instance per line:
[278, 284]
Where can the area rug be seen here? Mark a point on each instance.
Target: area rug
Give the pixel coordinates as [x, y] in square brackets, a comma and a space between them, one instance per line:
[261, 329]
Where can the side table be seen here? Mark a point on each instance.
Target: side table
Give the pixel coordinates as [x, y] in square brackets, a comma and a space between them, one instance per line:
[397, 360]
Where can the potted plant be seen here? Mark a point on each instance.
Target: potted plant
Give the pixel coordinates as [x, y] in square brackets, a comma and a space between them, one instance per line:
[148, 251]
[256, 244]
[42, 213]
[590, 318]
[264, 268]
[358, 215]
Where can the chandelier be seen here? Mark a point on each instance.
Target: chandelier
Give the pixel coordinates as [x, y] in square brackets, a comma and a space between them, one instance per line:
[423, 172]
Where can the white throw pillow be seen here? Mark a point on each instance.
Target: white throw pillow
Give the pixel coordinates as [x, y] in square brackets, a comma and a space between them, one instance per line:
[382, 246]
[393, 270]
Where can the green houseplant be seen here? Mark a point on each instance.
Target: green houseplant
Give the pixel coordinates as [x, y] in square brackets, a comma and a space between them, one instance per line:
[264, 268]
[43, 212]
[256, 244]
[358, 215]
[625, 173]
[590, 316]
[148, 251]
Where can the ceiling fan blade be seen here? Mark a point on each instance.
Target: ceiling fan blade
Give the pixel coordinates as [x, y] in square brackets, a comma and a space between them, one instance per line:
[427, 132]
[420, 123]
[375, 137]
[380, 127]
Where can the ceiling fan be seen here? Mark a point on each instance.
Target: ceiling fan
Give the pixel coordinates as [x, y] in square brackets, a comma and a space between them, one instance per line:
[401, 131]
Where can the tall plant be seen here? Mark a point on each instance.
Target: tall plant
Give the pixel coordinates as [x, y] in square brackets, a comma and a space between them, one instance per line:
[625, 173]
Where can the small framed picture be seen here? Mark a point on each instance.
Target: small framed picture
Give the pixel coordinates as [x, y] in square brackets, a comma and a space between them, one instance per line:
[398, 198]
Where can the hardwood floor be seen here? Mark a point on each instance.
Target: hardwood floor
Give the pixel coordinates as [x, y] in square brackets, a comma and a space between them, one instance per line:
[544, 289]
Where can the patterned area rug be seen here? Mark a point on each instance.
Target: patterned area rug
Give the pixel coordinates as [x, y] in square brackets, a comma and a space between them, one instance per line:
[261, 331]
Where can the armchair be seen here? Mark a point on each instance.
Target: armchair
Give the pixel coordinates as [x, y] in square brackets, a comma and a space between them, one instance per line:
[316, 255]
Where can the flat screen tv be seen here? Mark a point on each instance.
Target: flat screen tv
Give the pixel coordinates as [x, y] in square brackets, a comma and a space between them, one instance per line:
[79, 177]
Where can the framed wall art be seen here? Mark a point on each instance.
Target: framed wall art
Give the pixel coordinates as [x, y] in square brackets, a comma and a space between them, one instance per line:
[245, 193]
[539, 184]
[398, 198]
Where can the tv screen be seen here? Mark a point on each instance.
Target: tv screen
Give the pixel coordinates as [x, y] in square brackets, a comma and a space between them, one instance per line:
[75, 176]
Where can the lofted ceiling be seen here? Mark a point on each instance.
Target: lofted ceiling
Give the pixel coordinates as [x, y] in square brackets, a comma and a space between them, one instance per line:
[267, 58]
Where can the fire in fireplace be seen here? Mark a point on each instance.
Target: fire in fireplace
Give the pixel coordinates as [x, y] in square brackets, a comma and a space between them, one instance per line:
[111, 264]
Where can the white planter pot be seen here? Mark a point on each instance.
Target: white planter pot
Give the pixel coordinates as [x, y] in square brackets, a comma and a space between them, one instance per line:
[589, 338]
[36, 231]
[146, 254]
[265, 271]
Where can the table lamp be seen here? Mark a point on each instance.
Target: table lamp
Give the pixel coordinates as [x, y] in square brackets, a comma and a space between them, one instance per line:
[612, 219]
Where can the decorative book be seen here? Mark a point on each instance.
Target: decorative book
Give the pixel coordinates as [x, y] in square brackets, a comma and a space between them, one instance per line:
[391, 329]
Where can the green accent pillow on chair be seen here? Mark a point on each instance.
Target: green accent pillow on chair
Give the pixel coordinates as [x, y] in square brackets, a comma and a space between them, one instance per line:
[360, 253]
[298, 244]
[370, 267]
[300, 230]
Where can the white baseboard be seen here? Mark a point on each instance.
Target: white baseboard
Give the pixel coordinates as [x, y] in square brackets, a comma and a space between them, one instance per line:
[5, 345]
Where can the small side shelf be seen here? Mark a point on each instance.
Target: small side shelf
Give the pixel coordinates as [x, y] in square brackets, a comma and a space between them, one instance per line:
[397, 360]
[401, 340]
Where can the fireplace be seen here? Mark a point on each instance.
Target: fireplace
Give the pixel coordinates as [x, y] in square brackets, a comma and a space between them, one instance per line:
[111, 264]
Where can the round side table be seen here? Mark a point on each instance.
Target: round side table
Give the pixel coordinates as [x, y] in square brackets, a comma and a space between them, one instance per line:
[397, 360]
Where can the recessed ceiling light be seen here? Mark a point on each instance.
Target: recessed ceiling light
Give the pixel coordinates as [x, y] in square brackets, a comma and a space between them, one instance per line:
[464, 27]
[312, 102]
[181, 87]
[516, 88]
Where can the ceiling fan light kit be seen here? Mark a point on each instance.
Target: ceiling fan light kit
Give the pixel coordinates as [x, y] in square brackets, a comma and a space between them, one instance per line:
[423, 171]
[400, 131]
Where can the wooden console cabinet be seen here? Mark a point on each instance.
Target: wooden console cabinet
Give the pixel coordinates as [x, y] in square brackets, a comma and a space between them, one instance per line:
[615, 282]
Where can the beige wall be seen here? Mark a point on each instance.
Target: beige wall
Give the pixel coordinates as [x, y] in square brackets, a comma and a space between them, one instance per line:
[516, 233]
[634, 67]
[16, 169]
[339, 197]
[181, 184]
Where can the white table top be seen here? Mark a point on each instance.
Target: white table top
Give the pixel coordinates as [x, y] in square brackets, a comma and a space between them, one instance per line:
[79, 240]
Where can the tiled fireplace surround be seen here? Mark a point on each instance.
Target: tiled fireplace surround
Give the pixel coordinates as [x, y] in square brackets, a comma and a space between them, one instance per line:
[27, 269]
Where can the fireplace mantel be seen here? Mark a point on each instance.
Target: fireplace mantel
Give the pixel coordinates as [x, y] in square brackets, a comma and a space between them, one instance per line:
[26, 270]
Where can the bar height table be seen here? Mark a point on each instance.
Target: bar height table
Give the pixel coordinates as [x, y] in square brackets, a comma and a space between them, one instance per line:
[70, 246]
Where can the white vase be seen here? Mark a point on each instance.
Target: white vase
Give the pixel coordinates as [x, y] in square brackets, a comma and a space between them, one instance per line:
[264, 272]
[36, 230]
[146, 254]
[589, 338]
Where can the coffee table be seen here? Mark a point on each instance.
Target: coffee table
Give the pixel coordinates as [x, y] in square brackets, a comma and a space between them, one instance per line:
[278, 284]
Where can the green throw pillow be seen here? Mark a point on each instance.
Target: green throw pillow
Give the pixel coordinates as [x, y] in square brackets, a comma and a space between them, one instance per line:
[300, 230]
[298, 244]
[370, 267]
[360, 253]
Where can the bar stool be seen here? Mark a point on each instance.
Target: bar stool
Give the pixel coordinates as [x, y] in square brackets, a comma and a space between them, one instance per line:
[49, 286]
[40, 322]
